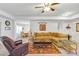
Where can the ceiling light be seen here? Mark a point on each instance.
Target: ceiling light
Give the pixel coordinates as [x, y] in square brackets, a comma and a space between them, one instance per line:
[46, 9]
[68, 26]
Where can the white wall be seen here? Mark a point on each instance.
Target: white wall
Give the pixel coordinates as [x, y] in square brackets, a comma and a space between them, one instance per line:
[3, 17]
[4, 32]
[71, 31]
[51, 26]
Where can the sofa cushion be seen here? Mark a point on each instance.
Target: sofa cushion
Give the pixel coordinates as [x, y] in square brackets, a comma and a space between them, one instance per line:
[50, 35]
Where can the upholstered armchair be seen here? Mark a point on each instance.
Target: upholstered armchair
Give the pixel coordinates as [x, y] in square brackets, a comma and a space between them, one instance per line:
[15, 48]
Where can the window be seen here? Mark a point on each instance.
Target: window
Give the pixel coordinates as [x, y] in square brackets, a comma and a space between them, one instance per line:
[19, 29]
[22, 28]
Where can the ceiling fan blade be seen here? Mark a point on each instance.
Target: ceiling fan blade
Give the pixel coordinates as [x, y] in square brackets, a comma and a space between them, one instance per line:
[39, 7]
[52, 9]
[42, 11]
[55, 3]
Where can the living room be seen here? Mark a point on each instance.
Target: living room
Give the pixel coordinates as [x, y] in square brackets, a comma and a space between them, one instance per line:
[47, 32]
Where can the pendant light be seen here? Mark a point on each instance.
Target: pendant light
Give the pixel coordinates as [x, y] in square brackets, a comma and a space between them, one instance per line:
[68, 26]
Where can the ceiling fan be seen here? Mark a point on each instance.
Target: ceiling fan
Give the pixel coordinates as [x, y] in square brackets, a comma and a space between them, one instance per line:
[47, 7]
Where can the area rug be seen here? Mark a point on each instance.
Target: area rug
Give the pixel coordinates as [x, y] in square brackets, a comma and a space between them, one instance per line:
[50, 50]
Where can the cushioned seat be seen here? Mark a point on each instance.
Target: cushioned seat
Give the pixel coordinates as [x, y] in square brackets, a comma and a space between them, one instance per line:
[14, 49]
[50, 35]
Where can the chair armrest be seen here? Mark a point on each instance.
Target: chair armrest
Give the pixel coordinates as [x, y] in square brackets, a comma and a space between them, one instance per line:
[20, 50]
[18, 42]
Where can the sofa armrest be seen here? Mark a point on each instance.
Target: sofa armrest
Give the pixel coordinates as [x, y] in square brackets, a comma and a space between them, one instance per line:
[18, 42]
[20, 50]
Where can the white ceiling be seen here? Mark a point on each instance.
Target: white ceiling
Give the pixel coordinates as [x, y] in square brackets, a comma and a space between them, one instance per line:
[27, 9]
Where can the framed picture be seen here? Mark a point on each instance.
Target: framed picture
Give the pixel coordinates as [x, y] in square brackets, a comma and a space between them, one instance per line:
[42, 26]
[7, 23]
[77, 27]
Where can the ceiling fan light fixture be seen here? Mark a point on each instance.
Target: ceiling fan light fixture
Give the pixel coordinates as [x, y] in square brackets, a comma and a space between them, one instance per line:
[68, 26]
[46, 9]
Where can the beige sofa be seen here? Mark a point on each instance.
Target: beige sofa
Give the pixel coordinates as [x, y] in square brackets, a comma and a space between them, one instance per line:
[50, 35]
